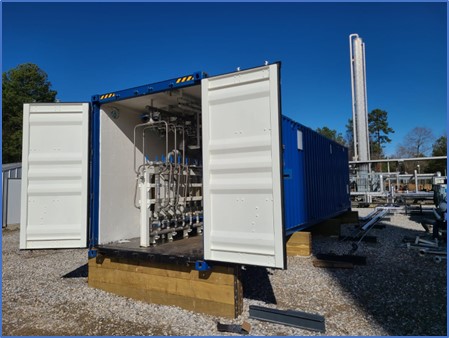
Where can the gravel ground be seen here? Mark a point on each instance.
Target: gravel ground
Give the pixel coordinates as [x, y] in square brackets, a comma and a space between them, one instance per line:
[396, 293]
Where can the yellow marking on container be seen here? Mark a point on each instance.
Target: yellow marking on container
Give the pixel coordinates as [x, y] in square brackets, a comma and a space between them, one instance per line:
[107, 96]
[184, 79]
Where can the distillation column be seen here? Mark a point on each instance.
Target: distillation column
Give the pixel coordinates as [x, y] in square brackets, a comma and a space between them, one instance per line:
[359, 109]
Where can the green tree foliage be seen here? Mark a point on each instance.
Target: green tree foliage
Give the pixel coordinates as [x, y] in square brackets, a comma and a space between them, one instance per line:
[439, 148]
[24, 84]
[331, 134]
[379, 130]
[350, 138]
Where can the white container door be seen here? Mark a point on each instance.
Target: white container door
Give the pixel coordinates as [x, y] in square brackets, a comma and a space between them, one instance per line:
[242, 173]
[54, 175]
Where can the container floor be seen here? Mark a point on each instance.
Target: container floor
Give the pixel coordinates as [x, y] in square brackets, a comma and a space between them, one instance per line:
[186, 250]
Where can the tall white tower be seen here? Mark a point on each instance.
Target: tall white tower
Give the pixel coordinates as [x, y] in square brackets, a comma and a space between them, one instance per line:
[359, 101]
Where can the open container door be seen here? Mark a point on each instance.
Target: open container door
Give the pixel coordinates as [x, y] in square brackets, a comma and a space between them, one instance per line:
[243, 209]
[54, 175]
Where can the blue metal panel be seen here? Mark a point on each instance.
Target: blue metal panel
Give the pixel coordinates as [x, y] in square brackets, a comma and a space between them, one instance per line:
[179, 82]
[316, 178]
[94, 175]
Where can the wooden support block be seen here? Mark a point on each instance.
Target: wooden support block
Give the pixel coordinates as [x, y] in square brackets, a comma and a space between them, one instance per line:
[330, 227]
[299, 244]
[216, 292]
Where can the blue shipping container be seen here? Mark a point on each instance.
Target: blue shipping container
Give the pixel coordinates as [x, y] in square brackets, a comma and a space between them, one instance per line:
[316, 176]
[246, 194]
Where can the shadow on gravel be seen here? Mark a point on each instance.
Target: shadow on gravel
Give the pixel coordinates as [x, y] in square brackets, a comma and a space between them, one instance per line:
[77, 273]
[426, 220]
[403, 292]
[256, 284]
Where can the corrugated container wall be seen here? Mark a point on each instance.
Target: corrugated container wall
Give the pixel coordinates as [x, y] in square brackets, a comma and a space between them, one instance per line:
[316, 176]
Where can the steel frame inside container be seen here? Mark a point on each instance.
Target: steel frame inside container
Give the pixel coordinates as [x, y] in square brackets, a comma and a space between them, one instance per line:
[112, 179]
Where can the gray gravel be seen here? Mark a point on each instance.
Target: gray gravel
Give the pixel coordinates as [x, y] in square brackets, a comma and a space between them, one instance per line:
[396, 293]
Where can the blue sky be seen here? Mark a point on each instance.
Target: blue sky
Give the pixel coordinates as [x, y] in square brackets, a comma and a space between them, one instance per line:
[95, 48]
